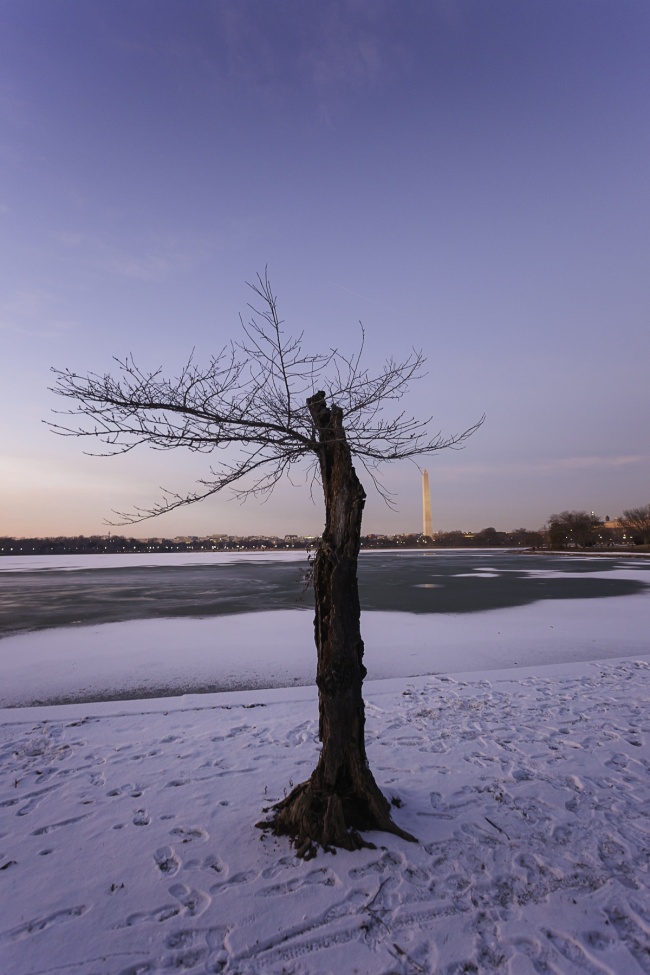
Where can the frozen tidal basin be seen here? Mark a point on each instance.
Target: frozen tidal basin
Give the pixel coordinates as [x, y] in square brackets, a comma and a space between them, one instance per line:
[179, 626]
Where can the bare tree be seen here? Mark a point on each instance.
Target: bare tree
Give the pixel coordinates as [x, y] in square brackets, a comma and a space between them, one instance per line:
[260, 403]
[637, 521]
[572, 528]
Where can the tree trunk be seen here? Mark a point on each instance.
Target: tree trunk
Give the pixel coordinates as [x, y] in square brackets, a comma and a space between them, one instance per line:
[341, 797]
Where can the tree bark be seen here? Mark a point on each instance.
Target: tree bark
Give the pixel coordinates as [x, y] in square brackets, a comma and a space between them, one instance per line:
[341, 797]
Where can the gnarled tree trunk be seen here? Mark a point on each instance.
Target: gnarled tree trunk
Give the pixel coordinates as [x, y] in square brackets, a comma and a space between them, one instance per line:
[341, 797]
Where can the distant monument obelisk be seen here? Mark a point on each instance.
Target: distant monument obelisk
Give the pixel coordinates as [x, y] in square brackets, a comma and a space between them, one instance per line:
[427, 527]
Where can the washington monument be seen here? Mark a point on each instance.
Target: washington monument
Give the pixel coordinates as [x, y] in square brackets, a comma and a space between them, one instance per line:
[427, 528]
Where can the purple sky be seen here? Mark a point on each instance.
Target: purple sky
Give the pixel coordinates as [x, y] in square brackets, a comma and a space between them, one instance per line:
[465, 177]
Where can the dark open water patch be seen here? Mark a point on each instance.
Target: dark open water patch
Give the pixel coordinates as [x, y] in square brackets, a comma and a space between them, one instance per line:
[441, 583]
[168, 688]
[57, 597]
[418, 582]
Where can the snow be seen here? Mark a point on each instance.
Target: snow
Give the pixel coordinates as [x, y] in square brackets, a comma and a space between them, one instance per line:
[82, 562]
[275, 649]
[127, 827]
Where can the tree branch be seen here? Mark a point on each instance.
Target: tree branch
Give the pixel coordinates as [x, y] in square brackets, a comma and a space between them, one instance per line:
[250, 401]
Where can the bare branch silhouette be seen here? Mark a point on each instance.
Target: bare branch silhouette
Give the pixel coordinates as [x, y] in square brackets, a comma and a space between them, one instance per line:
[269, 406]
[249, 401]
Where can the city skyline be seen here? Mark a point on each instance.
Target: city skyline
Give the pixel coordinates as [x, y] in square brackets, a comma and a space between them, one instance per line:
[136, 531]
[470, 180]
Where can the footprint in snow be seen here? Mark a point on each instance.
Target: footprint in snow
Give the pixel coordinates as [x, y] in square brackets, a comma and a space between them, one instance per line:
[194, 902]
[167, 861]
[186, 834]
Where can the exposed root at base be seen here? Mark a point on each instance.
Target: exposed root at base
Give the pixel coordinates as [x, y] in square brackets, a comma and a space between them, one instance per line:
[312, 818]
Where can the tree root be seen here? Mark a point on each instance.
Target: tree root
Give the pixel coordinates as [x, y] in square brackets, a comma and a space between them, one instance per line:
[311, 817]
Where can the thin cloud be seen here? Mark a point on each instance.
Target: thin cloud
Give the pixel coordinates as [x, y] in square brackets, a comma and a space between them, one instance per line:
[584, 463]
[24, 474]
[33, 313]
[548, 465]
[151, 267]
[149, 261]
[326, 48]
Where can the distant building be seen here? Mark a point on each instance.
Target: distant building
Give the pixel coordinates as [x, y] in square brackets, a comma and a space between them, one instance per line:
[427, 527]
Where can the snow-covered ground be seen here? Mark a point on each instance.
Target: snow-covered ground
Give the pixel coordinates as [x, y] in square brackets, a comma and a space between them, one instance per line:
[127, 836]
[275, 649]
[128, 845]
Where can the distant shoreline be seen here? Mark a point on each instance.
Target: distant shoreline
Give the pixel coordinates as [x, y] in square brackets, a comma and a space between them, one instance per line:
[367, 545]
[644, 552]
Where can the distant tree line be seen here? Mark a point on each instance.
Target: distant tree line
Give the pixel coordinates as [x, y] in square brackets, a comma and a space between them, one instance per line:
[584, 529]
[486, 538]
[490, 538]
[569, 529]
[636, 521]
[118, 544]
